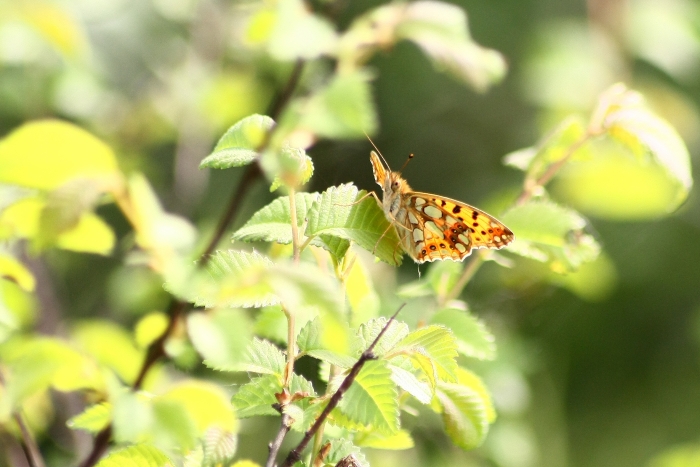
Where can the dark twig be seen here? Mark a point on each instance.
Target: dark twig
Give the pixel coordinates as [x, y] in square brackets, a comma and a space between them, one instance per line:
[280, 102]
[251, 174]
[368, 354]
[29, 446]
[285, 425]
[99, 448]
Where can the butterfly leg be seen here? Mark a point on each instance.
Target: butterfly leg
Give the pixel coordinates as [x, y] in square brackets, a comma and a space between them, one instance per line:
[371, 193]
[382, 236]
[392, 223]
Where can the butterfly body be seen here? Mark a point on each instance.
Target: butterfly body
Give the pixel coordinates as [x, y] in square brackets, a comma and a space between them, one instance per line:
[433, 227]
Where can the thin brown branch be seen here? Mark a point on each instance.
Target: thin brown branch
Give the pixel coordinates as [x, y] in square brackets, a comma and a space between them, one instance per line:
[295, 454]
[291, 348]
[285, 425]
[99, 448]
[531, 185]
[467, 274]
[251, 174]
[29, 446]
[277, 106]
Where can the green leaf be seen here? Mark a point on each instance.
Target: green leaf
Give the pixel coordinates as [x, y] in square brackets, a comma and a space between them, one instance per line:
[292, 168]
[409, 382]
[111, 345]
[90, 234]
[141, 455]
[368, 332]
[133, 419]
[630, 122]
[311, 342]
[438, 345]
[342, 109]
[172, 425]
[304, 285]
[374, 439]
[338, 213]
[206, 403]
[640, 170]
[336, 246]
[219, 447]
[271, 323]
[342, 448]
[551, 233]
[93, 419]
[238, 280]
[221, 337]
[372, 399]
[555, 146]
[46, 154]
[299, 34]
[273, 222]
[34, 364]
[303, 411]
[244, 463]
[359, 288]
[166, 238]
[149, 328]
[466, 410]
[594, 281]
[473, 338]
[304, 416]
[440, 30]
[257, 397]
[686, 455]
[263, 357]
[64, 208]
[238, 146]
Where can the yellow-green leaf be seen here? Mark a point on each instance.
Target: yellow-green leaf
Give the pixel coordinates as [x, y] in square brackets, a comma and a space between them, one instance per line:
[140, 455]
[206, 403]
[46, 154]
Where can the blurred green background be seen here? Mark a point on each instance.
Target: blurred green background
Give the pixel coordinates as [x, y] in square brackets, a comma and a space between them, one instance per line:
[601, 374]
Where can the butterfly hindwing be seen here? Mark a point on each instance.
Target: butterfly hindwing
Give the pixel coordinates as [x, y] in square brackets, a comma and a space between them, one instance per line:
[451, 229]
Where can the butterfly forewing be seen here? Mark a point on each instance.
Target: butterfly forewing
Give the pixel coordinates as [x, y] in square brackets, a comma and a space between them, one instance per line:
[433, 227]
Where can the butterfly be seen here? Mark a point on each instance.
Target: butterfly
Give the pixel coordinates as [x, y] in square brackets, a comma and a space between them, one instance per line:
[433, 227]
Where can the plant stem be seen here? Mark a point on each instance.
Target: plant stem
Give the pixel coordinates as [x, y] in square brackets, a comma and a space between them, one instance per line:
[285, 425]
[252, 173]
[291, 348]
[295, 226]
[295, 453]
[468, 272]
[531, 185]
[29, 446]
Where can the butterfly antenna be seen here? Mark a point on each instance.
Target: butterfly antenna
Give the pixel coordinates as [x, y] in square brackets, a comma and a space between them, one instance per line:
[410, 156]
[378, 151]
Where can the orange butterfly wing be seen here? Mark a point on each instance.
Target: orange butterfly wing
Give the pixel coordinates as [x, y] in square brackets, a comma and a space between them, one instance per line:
[439, 228]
